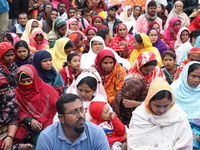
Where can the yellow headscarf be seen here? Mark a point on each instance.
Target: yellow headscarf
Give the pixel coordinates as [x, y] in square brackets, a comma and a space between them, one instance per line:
[147, 47]
[158, 84]
[58, 54]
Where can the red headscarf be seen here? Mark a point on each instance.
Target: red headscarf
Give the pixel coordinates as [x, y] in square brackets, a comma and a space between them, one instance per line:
[39, 102]
[141, 60]
[4, 47]
[194, 25]
[96, 108]
[99, 58]
[102, 19]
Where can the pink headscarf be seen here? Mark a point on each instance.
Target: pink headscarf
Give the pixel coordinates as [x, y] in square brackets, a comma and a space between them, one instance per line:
[69, 21]
[14, 36]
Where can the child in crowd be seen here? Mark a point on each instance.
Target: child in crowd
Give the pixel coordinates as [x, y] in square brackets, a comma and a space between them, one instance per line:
[169, 65]
[35, 8]
[113, 127]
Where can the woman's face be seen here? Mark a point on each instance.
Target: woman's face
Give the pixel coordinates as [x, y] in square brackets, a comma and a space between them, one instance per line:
[160, 107]
[194, 78]
[38, 39]
[62, 30]
[137, 11]
[156, 26]
[177, 24]
[6, 40]
[107, 64]
[147, 70]
[159, 9]
[22, 53]
[46, 64]
[184, 36]
[138, 45]
[8, 57]
[179, 7]
[91, 33]
[54, 15]
[122, 31]
[75, 63]
[48, 8]
[97, 22]
[97, 46]
[153, 36]
[68, 50]
[85, 92]
[129, 12]
[194, 57]
[73, 26]
[168, 62]
[34, 25]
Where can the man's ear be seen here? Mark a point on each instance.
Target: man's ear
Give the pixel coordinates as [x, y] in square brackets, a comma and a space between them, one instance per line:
[61, 118]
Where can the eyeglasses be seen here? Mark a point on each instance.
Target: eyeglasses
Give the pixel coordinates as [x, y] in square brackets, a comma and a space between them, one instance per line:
[75, 112]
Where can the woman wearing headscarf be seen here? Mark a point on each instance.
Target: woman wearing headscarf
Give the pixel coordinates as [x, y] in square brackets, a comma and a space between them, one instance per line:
[153, 119]
[192, 55]
[171, 32]
[37, 41]
[9, 119]
[10, 37]
[127, 15]
[143, 43]
[23, 55]
[154, 36]
[59, 52]
[136, 84]
[36, 101]
[186, 90]
[42, 61]
[177, 11]
[59, 30]
[90, 32]
[182, 37]
[97, 22]
[111, 72]
[122, 41]
[194, 25]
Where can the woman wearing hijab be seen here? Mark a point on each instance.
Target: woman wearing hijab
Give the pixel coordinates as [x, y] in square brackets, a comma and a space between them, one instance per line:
[192, 55]
[186, 90]
[111, 72]
[9, 119]
[59, 30]
[127, 15]
[97, 22]
[59, 52]
[42, 61]
[36, 101]
[23, 55]
[172, 31]
[153, 119]
[136, 84]
[90, 32]
[177, 12]
[122, 41]
[154, 36]
[143, 43]
[11, 38]
[37, 41]
[194, 25]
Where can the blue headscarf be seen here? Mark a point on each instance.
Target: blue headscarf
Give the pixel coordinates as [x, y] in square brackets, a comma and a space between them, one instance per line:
[187, 97]
[45, 75]
[28, 59]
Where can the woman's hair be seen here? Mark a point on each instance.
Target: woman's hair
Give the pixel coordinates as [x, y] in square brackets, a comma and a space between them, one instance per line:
[69, 44]
[38, 35]
[9, 37]
[103, 32]
[150, 63]
[194, 34]
[169, 53]
[186, 31]
[69, 58]
[23, 76]
[161, 95]
[138, 6]
[21, 43]
[94, 13]
[138, 38]
[90, 81]
[53, 9]
[108, 57]
[61, 26]
[193, 67]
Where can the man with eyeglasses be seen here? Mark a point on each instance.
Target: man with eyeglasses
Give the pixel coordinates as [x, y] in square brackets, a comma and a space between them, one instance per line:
[72, 131]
